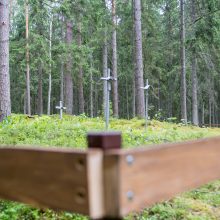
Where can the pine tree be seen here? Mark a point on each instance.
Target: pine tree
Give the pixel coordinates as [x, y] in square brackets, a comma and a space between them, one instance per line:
[5, 101]
[139, 82]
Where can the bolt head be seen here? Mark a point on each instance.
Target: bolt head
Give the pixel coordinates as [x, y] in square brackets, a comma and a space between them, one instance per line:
[130, 159]
[130, 195]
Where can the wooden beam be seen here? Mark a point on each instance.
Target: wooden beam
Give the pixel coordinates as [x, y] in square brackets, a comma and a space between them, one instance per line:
[52, 178]
[147, 176]
[106, 141]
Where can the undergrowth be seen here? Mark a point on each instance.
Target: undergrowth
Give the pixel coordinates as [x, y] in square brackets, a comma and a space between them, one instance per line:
[200, 204]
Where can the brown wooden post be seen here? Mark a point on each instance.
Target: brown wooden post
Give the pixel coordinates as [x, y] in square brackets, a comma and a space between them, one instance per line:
[106, 141]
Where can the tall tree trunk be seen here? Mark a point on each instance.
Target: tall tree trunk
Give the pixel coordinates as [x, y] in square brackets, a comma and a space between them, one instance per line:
[40, 91]
[61, 82]
[80, 77]
[5, 99]
[133, 100]
[91, 87]
[195, 114]
[139, 82]
[210, 112]
[50, 70]
[183, 61]
[28, 93]
[169, 27]
[62, 66]
[114, 60]
[105, 67]
[68, 74]
[203, 113]
[127, 100]
[158, 101]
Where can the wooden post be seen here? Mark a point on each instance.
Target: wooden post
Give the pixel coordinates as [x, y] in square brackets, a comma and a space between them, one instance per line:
[107, 141]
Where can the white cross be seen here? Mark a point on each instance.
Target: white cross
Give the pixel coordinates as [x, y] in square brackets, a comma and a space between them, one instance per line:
[145, 88]
[107, 81]
[61, 108]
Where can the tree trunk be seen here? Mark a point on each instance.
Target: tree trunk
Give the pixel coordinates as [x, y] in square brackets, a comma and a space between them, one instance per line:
[62, 66]
[61, 82]
[80, 77]
[139, 82]
[40, 91]
[170, 39]
[183, 62]
[203, 114]
[210, 112]
[91, 87]
[5, 100]
[105, 68]
[28, 93]
[68, 74]
[127, 99]
[195, 116]
[50, 70]
[114, 60]
[133, 100]
[158, 101]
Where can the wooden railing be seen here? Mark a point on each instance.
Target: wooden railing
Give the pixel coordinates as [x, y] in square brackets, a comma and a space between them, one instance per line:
[106, 182]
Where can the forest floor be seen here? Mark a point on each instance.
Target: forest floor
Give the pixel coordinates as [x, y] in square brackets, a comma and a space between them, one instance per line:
[199, 204]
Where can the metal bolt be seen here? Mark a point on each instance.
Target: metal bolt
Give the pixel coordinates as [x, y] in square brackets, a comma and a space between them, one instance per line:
[130, 195]
[130, 159]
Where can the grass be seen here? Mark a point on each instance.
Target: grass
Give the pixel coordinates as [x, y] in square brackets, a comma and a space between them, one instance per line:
[200, 204]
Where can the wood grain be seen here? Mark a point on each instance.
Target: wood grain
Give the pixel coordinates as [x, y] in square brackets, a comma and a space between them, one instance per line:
[159, 173]
[106, 141]
[49, 178]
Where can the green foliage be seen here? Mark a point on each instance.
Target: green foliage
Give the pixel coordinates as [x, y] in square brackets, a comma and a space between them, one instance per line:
[47, 131]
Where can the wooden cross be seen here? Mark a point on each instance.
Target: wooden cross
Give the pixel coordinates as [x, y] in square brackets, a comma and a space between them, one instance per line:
[146, 88]
[107, 80]
[61, 108]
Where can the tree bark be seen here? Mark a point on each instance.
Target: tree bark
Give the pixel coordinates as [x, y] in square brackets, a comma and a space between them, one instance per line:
[195, 114]
[183, 62]
[133, 100]
[114, 60]
[139, 82]
[210, 112]
[169, 27]
[61, 82]
[5, 99]
[68, 74]
[203, 114]
[80, 77]
[105, 67]
[50, 70]
[40, 91]
[91, 87]
[62, 66]
[28, 93]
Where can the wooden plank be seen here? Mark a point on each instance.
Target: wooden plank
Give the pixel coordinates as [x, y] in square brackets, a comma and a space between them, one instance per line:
[95, 184]
[111, 187]
[152, 175]
[106, 141]
[51, 178]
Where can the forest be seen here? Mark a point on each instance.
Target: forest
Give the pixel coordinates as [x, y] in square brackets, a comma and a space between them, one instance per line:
[62, 51]
[59, 50]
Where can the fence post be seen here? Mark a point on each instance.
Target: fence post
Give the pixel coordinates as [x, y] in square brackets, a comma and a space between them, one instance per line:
[106, 141]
